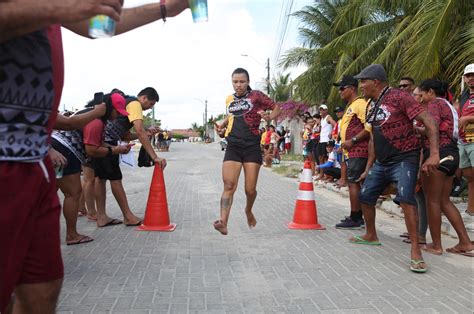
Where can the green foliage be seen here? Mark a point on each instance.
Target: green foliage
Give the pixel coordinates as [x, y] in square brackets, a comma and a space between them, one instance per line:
[417, 38]
[280, 87]
[148, 120]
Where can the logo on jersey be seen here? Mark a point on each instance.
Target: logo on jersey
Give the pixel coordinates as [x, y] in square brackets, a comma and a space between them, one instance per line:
[381, 116]
[240, 107]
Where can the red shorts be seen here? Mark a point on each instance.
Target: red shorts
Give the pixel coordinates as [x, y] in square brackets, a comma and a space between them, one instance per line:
[287, 146]
[29, 227]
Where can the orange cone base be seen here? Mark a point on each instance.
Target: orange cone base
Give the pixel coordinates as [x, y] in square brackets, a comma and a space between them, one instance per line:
[167, 228]
[296, 226]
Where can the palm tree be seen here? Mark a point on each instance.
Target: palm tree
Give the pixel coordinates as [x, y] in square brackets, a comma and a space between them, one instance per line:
[318, 30]
[419, 38]
[280, 88]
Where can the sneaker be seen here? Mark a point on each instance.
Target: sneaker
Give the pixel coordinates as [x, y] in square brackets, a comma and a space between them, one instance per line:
[350, 224]
[470, 227]
[466, 217]
[349, 218]
[458, 187]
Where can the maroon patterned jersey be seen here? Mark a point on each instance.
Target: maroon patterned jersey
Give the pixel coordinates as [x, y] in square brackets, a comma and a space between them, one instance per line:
[392, 127]
[244, 119]
[441, 112]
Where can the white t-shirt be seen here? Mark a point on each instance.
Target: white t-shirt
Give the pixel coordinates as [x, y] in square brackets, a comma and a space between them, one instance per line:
[287, 137]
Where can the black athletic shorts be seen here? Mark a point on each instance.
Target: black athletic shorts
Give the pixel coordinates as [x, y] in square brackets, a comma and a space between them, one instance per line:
[107, 168]
[73, 163]
[243, 154]
[355, 168]
[322, 149]
[448, 167]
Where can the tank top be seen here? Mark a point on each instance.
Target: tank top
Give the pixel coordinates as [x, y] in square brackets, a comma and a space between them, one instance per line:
[326, 130]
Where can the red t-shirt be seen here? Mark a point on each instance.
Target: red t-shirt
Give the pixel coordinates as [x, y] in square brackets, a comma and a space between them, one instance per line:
[392, 127]
[466, 134]
[93, 133]
[442, 114]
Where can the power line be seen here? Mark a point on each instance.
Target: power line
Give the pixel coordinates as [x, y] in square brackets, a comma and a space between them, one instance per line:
[283, 27]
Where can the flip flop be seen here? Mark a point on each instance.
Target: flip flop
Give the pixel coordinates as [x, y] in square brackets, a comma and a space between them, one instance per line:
[90, 218]
[360, 240]
[455, 250]
[409, 241]
[139, 223]
[112, 222]
[405, 235]
[416, 262]
[82, 240]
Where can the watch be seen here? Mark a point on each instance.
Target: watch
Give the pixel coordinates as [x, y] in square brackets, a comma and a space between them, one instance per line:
[354, 140]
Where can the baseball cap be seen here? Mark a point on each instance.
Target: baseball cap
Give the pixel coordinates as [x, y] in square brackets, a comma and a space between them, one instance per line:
[372, 72]
[339, 108]
[324, 107]
[118, 102]
[347, 80]
[469, 69]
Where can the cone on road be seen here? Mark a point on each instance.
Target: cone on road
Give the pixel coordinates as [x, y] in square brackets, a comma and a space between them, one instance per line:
[306, 214]
[156, 215]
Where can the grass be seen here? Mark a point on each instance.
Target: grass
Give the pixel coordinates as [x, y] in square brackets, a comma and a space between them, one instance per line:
[290, 171]
[292, 157]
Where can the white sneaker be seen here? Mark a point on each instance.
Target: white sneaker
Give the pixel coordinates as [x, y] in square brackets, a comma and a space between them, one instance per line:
[470, 227]
[466, 217]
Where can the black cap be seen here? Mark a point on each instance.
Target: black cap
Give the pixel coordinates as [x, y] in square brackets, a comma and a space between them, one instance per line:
[339, 108]
[347, 80]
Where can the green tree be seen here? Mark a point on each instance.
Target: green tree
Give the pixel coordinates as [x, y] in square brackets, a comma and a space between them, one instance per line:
[418, 38]
[280, 87]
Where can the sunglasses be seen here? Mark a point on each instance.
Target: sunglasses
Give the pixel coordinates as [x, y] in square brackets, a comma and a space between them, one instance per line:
[403, 85]
[342, 88]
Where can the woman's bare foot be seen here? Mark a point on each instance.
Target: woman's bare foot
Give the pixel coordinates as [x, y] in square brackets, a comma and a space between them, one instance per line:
[251, 221]
[220, 226]
[430, 248]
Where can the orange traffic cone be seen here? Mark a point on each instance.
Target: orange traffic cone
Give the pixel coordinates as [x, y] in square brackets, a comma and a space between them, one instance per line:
[306, 215]
[156, 214]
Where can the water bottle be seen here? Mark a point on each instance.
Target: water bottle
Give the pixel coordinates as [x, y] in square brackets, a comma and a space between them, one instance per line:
[101, 26]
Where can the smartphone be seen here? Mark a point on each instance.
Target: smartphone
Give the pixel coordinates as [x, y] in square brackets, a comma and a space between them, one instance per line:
[98, 98]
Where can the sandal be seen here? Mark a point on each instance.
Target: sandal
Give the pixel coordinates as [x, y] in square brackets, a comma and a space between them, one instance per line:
[414, 263]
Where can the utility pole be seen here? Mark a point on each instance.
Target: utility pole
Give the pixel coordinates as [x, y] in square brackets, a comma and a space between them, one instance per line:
[205, 119]
[268, 76]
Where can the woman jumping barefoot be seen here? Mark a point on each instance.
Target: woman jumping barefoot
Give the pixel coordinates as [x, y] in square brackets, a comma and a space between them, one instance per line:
[246, 108]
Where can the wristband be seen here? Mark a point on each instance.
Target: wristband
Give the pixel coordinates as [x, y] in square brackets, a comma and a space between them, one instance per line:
[110, 151]
[163, 10]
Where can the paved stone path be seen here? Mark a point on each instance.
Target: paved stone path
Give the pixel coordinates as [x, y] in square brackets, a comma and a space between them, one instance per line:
[270, 269]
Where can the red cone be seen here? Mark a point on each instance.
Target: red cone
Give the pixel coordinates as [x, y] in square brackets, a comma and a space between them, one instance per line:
[306, 214]
[156, 215]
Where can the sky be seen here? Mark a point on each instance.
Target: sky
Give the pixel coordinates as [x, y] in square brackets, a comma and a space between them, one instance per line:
[186, 62]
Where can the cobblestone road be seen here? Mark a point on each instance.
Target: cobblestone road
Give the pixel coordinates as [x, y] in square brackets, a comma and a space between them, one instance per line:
[269, 269]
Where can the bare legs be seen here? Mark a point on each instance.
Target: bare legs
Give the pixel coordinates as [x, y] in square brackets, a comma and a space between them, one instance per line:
[437, 189]
[251, 171]
[70, 185]
[230, 175]
[38, 298]
[88, 192]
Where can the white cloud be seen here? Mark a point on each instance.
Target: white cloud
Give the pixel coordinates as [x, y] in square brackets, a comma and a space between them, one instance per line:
[182, 60]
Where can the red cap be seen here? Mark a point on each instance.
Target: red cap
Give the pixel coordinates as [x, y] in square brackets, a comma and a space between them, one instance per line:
[118, 101]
